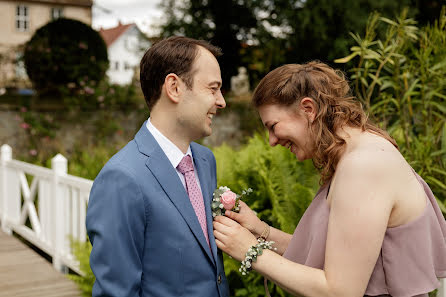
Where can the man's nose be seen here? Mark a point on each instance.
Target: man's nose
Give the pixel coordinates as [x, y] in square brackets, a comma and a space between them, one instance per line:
[221, 103]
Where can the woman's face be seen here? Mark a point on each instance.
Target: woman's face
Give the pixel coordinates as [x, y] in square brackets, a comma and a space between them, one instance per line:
[289, 127]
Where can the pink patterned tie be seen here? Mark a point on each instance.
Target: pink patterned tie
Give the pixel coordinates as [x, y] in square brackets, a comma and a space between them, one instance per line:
[196, 198]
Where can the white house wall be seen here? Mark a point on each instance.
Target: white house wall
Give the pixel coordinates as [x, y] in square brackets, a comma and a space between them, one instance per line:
[119, 54]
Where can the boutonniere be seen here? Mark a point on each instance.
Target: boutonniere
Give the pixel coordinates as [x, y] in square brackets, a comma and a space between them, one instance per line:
[224, 199]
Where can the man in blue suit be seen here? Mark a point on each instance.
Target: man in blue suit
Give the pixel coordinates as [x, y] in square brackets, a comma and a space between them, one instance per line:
[149, 217]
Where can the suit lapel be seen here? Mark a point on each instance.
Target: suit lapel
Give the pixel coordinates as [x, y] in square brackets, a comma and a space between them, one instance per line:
[203, 169]
[161, 168]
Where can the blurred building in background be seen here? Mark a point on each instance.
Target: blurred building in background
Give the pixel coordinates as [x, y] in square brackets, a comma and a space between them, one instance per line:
[126, 45]
[18, 22]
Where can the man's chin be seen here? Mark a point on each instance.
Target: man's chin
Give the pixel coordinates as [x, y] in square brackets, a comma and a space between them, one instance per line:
[206, 132]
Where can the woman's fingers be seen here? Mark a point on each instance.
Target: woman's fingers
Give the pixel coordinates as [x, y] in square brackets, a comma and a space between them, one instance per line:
[224, 229]
[220, 244]
[233, 215]
[243, 204]
[220, 236]
[226, 221]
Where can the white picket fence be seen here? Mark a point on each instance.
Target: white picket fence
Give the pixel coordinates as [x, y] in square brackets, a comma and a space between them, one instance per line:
[55, 204]
[45, 206]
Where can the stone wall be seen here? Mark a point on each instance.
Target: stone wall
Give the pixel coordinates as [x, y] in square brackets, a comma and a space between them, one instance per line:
[82, 128]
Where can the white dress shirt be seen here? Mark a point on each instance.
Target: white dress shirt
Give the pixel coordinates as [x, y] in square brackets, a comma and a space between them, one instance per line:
[173, 153]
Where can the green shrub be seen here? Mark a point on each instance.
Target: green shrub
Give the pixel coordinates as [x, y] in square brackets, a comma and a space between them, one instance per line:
[89, 161]
[64, 52]
[103, 95]
[85, 281]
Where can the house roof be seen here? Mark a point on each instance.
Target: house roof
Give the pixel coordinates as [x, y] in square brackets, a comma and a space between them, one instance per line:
[86, 3]
[110, 35]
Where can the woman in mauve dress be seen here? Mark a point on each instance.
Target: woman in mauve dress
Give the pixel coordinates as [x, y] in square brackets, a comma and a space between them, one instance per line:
[373, 229]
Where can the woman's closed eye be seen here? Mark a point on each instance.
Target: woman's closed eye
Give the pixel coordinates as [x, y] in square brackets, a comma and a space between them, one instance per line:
[273, 126]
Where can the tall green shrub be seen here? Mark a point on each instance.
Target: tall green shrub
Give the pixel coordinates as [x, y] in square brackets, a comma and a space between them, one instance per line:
[283, 189]
[401, 81]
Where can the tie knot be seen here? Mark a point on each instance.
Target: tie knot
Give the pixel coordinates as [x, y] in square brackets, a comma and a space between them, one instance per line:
[185, 165]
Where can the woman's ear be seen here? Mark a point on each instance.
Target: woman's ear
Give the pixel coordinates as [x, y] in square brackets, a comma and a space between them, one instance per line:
[172, 86]
[308, 106]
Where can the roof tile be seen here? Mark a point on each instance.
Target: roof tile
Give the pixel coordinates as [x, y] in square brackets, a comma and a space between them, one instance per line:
[110, 35]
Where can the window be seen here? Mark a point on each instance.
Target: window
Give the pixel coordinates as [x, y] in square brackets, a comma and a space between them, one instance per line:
[22, 18]
[127, 66]
[56, 12]
[116, 65]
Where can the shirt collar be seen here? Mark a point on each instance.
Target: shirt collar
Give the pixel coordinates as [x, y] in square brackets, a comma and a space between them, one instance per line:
[173, 153]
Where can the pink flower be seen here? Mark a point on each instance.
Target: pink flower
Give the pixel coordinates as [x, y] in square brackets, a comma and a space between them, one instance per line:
[23, 109]
[228, 199]
[25, 125]
[89, 90]
[33, 152]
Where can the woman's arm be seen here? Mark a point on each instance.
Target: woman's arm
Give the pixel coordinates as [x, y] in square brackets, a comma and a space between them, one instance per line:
[248, 219]
[361, 203]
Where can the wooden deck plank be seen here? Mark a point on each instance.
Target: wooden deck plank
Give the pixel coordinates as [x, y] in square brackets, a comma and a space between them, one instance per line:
[24, 273]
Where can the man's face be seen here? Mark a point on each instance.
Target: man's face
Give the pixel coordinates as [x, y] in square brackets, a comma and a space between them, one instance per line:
[200, 104]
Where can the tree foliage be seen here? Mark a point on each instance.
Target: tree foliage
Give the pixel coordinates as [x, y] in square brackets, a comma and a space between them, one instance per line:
[64, 52]
[224, 23]
[264, 34]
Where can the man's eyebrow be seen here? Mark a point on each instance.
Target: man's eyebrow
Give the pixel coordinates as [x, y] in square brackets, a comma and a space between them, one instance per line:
[217, 82]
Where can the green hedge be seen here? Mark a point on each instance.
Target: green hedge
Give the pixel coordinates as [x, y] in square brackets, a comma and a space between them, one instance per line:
[65, 51]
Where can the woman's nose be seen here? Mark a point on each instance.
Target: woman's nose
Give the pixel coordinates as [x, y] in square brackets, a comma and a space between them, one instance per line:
[273, 139]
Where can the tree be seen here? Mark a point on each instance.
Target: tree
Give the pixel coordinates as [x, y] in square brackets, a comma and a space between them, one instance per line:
[226, 24]
[263, 34]
[64, 52]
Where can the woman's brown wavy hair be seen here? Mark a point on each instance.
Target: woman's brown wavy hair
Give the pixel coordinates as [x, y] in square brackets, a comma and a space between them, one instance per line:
[336, 107]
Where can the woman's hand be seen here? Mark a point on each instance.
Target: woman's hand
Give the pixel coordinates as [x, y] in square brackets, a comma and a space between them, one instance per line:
[247, 218]
[232, 238]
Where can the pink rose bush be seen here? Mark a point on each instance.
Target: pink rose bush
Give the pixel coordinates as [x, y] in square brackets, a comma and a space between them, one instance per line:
[224, 199]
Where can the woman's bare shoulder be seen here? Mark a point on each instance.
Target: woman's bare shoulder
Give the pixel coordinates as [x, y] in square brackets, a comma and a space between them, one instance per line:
[372, 162]
[373, 166]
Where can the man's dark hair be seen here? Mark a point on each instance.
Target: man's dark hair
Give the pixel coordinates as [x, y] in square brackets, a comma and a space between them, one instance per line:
[172, 55]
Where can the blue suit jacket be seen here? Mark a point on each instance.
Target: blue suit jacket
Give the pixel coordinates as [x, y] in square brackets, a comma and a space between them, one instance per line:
[146, 238]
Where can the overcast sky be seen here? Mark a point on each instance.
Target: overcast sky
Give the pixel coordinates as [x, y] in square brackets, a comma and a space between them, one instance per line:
[144, 13]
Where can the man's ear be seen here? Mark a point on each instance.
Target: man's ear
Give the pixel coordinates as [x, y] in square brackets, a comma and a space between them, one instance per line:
[308, 106]
[172, 87]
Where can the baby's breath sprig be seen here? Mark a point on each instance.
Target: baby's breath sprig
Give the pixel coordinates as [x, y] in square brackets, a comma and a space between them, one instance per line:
[253, 253]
